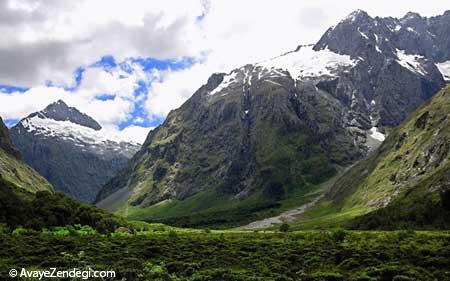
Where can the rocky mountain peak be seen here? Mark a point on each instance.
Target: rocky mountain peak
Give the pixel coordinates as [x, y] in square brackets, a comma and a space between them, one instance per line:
[359, 35]
[358, 16]
[411, 16]
[60, 111]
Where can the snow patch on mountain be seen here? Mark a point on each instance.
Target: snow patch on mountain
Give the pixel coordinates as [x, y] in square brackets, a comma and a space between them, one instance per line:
[306, 62]
[363, 34]
[444, 68]
[374, 133]
[227, 81]
[80, 135]
[411, 62]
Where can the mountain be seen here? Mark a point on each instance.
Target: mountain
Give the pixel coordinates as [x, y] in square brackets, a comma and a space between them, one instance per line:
[13, 170]
[70, 149]
[29, 200]
[386, 48]
[250, 140]
[403, 184]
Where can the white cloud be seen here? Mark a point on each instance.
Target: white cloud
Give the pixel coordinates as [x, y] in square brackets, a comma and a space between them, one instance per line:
[135, 133]
[174, 88]
[48, 40]
[235, 33]
[116, 83]
[18, 105]
[53, 37]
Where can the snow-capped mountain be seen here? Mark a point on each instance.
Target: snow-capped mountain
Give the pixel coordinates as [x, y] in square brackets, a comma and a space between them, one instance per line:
[268, 128]
[71, 149]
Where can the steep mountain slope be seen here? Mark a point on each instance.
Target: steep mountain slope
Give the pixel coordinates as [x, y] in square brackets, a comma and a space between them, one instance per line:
[407, 180]
[70, 149]
[13, 170]
[252, 138]
[5, 141]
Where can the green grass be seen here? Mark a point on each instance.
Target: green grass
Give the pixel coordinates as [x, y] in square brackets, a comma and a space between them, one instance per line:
[209, 209]
[165, 253]
[325, 215]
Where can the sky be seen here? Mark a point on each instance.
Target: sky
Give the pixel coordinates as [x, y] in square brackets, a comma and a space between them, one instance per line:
[129, 63]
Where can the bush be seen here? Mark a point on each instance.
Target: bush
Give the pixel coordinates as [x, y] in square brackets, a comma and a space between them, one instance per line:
[22, 231]
[327, 276]
[156, 272]
[61, 231]
[4, 228]
[173, 234]
[338, 235]
[86, 230]
[401, 278]
[404, 234]
[284, 227]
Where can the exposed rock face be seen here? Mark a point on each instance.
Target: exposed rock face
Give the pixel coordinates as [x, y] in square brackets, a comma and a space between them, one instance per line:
[70, 149]
[398, 59]
[282, 124]
[359, 33]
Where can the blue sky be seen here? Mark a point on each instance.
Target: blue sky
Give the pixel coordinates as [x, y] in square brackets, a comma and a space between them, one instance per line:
[139, 115]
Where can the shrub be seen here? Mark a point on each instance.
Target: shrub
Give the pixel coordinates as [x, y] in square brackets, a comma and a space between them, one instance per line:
[22, 231]
[4, 228]
[327, 276]
[338, 235]
[401, 278]
[404, 234]
[86, 230]
[173, 234]
[61, 231]
[160, 228]
[284, 227]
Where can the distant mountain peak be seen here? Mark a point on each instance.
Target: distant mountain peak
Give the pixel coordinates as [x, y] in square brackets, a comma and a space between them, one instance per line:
[58, 104]
[60, 111]
[71, 150]
[412, 15]
[358, 15]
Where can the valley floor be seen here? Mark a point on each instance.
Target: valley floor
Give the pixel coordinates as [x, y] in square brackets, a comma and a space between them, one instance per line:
[165, 253]
[293, 214]
[284, 217]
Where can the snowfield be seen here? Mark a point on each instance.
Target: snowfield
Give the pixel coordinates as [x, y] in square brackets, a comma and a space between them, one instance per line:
[80, 135]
